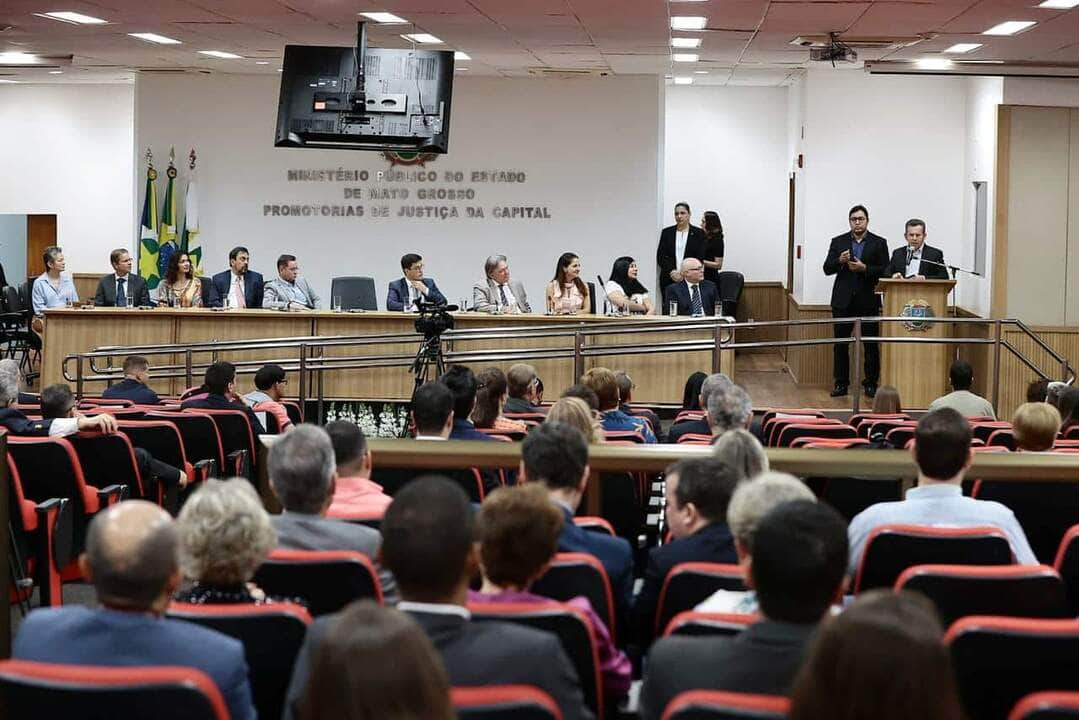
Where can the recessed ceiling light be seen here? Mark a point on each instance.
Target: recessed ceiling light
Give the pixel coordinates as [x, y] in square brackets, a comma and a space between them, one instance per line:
[221, 54]
[1059, 4]
[688, 22]
[966, 47]
[458, 55]
[683, 80]
[422, 38]
[686, 42]
[155, 38]
[73, 17]
[18, 58]
[1009, 28]
[700, 72]
[262, 62]
[9, 82]
[686, 57]
[933, 63]
[56, 72]
[280, 70]
[461, 69]
[384, 17]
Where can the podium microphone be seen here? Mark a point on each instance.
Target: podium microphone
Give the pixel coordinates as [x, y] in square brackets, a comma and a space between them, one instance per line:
[910, 255]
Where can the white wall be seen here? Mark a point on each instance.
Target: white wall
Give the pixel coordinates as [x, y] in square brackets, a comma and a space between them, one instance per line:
[67, 149]
[725, 150]
[796, 117]
[1049, 92]
[588, 148]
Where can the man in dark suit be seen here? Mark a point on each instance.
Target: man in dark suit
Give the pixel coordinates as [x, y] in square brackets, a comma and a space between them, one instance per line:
[676, 243]
[557, 455]
[404, 292]
[303, 475]
[695, 295]
[462, 383]
[133, 387]
[121, 288]
[131, 558]
[698, 491]
[428, 534]
[798, 566]
[917, 259]
[521, 387]
[220, 384]
[237, 287]
[857, 259]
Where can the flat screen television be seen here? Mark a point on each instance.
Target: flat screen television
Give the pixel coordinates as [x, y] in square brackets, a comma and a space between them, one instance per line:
[397, 100]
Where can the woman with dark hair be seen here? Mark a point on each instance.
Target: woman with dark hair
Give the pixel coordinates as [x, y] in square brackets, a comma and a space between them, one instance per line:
[491, 392]
[406, 682]
[713, 249]
[179, 287]
[1069, 409]
[881, 658]
[625, 290]
[691, 396]
[567, 294]
[886, 401]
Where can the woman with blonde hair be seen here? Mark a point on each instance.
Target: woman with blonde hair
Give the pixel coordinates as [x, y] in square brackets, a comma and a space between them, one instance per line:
[575, 412]
[1035, 427]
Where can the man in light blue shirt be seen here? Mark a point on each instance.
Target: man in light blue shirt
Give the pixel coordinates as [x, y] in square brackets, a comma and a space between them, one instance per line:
[942, 452]
[51, 288]
[289, 291]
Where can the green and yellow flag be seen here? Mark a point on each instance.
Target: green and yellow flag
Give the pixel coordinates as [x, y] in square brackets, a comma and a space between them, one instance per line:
[148, 234]
[189, 241]
[167, 243]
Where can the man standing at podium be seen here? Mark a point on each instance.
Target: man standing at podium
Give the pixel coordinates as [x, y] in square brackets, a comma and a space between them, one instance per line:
[917, 260]
[857, 259]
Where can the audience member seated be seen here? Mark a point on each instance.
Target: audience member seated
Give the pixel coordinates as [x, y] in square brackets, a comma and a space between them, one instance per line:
[404, 293]
[518, 530]
[225, 534]
[270, 382]
[886, 401]
[702, 386]
[462, 383]
[556, 455]
[53, 289]
[180, 287]
[751, 502]
[882, 658]
[131, 560]
[121, 288]
[698, 492]
[133, 387]
[355, 493]
[961, 398]
[17, 423]
[1069, 409]
[432, 411]
[625, 397]
[290, 291]
[239, 286]
[575, 412]
[220, 384]
[582, 391]
[1037, 390]
[490, 397]
[1035, 427]
[743, 453]
[303, 474]
[603, 383]
[691, 393]
[799, 555]
[729, 408]
[942, 453]
[428, 544]
[521, 382]
[406, 680]
[497, 293]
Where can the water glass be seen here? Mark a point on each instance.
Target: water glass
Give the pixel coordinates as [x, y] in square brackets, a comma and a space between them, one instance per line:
[336, 303]
[672, 307]
[719, 309]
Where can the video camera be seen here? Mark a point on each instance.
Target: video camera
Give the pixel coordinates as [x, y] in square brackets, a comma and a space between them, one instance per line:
[434, 318]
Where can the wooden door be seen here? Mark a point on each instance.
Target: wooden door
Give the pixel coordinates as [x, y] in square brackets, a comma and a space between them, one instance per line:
[40, 234]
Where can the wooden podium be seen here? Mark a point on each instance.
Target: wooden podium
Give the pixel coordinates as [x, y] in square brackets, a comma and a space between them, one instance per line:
[918, 370]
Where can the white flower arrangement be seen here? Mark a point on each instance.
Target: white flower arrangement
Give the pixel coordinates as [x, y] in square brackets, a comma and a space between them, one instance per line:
[390, 420]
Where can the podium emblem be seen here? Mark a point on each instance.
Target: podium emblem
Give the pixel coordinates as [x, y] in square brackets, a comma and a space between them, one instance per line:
[915, 309]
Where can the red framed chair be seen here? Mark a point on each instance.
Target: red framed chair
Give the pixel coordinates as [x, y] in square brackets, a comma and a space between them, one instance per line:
[694, 439]
[163, 440]
[574, 631]
[237, 439]
[863, 421]
[982, 429]
[631, 436]
[326, 580]
[688, 584]
[295, 412]
[505, 435]
[91, 402]
[201, 439]
[899, 437]
[1000, 660]
[789, 433]
[1066, 564]
[1071, 433]
[1062, 444]
[271, 635]
[504, 702]
[790, 412]
[595, 524]
[1047, 705]
[529, 417]
[883, 427]
[777, 424]
[688, 415]
[579, 574]
[1045, 510]
[41, 533]
[47, 690]
[722, 705]
[1005, 590]
[891, 549]
[828, 443]
[393, 479]
[110, 459]
[695, 623]
[1002, 438]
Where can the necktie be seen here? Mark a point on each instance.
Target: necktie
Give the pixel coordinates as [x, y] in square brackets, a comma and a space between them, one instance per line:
[238, 292]
[502, 292]
[121, 296]
[695, 305]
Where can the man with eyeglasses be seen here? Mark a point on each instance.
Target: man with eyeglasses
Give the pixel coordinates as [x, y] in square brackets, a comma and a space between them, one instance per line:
[289, 290]
[271, 383]
[858, 259]
[412, 289]
[694, 296]
[521, 383]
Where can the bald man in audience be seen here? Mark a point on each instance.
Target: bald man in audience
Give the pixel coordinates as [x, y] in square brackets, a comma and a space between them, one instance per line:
[132, 561]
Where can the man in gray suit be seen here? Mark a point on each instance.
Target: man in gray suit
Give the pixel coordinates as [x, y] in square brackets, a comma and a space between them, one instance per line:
[303, 473]
[499, 293]
[289, 291]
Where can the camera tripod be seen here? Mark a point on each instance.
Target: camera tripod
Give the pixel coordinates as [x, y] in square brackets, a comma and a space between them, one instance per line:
[429, 353]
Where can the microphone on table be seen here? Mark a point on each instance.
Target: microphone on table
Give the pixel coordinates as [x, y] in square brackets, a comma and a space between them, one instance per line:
[422, 305]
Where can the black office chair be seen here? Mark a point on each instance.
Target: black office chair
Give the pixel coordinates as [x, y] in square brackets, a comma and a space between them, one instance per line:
[591, 298]
[730, 290]
[355, 292]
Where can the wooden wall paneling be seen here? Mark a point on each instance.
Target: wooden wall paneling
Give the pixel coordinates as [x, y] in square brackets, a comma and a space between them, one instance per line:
[1071, 291]
[762, 301]
[980, 357]
[810, 364]
[1015, 376]
[40, 234]
[86, 284]
[375, 384]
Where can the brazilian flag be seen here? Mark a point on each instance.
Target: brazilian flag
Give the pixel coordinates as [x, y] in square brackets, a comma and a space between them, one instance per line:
[148, 235]
[167, 243]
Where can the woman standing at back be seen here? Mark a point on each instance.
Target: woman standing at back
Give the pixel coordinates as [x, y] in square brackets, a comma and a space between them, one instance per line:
[713, 249]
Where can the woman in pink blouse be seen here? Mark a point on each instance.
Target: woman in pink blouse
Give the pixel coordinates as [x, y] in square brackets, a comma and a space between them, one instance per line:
[567, 293]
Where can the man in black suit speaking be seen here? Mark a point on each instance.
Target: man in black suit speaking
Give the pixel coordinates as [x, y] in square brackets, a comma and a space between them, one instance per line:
[121, 288]
[857, 259]
[917, 259]
[694, 295]
[678, 242]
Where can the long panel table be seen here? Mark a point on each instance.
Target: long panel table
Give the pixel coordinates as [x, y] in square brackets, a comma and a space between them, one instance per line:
[659, 377]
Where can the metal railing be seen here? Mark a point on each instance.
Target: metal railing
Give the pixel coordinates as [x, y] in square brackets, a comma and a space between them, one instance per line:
[308, 353]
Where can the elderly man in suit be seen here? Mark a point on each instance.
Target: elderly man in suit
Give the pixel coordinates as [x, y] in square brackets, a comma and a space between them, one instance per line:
[404, 292]
[132, 560]
[499, 293]
[858, 259]
[917, 259]
[237, 287]
[694, 295]
[289, 291]
[121, 288]
[678, 242]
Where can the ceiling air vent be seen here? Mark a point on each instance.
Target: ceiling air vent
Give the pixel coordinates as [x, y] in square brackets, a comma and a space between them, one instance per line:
[567, 72]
